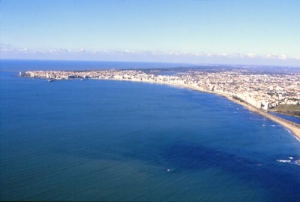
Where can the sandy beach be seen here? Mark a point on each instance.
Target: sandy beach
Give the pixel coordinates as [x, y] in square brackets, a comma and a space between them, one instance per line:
[292, 128]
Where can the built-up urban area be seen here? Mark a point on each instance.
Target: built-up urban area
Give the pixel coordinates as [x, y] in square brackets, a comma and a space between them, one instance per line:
[261, 90]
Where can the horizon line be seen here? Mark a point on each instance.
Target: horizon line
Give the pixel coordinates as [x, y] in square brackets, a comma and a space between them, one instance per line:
[153, 62]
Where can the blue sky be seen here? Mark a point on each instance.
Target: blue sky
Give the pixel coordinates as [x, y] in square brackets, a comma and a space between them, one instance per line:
[192, 31]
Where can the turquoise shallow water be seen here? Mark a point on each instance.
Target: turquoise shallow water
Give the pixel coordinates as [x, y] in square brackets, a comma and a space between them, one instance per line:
[124, 141]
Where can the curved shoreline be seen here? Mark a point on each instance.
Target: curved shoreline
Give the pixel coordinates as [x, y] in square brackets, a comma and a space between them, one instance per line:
[291, 126]
[284, 114]
[294, 130]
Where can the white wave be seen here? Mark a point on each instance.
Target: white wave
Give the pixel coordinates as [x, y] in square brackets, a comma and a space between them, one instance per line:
[283, 161]
[288, 131]
[297, 138]
[292, 134]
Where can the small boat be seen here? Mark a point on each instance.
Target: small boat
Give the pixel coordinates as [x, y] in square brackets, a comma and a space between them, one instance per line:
[50, 80]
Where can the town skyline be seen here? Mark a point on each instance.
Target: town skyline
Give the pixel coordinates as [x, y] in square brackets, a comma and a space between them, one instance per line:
[255, 90]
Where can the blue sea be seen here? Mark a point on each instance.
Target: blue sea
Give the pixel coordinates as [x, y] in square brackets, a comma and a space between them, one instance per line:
[123, 141]
[289, 118]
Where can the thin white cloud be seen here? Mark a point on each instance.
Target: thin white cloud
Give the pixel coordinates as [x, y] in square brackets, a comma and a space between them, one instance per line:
[9, 51]
[283, 57]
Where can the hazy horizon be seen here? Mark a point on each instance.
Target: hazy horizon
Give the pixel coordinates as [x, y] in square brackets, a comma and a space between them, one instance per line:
[212, 32]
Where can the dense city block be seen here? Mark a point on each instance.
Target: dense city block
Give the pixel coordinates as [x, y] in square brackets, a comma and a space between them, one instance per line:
[261, 90]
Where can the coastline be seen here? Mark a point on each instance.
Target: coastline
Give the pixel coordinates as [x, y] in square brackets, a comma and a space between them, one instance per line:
[293, 129]
[277, 112]
[291, 126]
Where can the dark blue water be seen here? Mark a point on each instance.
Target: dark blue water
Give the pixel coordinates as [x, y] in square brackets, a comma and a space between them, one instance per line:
[290, 118]
[125, 141]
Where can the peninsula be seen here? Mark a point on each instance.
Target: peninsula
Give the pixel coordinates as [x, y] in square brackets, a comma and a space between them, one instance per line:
[257, 91]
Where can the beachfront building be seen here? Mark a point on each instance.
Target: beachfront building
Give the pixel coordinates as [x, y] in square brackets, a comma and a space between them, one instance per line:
[259, 90]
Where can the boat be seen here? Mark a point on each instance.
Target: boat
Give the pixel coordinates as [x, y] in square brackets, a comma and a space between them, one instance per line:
[50, 80]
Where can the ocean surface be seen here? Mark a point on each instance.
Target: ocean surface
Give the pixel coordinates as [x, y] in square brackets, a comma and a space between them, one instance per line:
[124, 141]
[290, 118]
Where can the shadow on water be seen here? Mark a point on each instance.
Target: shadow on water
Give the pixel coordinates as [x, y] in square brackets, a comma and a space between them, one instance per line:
[277, 178]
